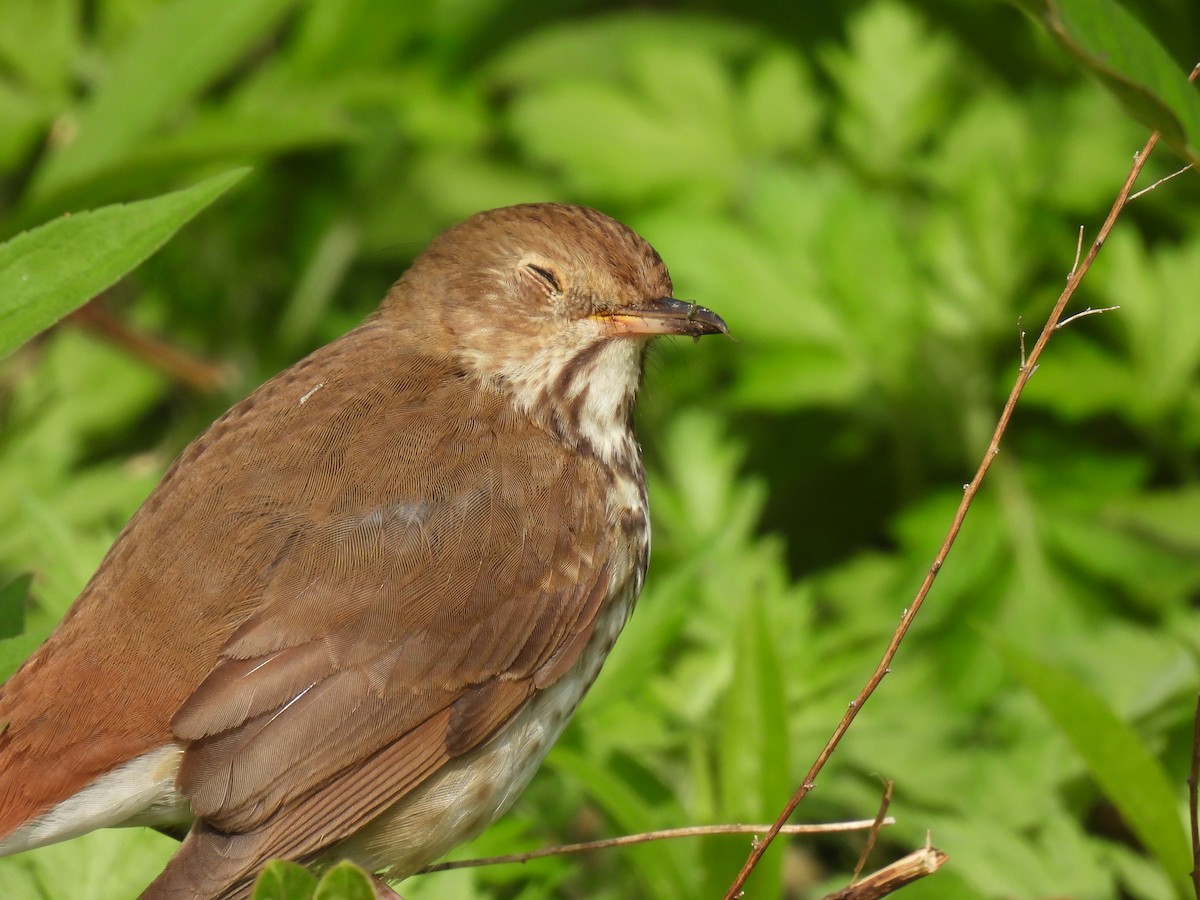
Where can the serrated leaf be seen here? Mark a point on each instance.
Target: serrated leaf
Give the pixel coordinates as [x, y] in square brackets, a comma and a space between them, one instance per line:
[598, 48]
[781, 111]
[1114, 47]
[50, 270]
[1131, 778]
[283, 880]
[884, 119]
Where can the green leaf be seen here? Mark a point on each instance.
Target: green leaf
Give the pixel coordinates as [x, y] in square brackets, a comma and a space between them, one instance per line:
[883, 119]
[50, 270]
[182, 47]
[1121, 54]
[345, 881]
[283, 880]
[108, 864]
[782, 111]
[1170, 516]
[753, 751]
[1116, 757]
[12, 606]
[630, 809]
[39, 41]
[668, 129]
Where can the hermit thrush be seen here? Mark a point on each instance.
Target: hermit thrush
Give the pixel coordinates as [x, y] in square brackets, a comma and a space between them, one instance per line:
[360, 607]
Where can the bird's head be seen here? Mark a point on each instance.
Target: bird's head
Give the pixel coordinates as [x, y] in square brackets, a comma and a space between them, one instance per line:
[553, 303]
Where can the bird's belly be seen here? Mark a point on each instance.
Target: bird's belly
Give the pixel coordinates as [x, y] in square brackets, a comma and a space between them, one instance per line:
[470, 792]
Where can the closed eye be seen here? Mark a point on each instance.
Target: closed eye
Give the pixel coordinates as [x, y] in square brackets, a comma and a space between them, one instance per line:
[547, 276]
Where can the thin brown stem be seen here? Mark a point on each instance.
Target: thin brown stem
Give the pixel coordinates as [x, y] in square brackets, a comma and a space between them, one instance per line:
[884, 803]
[197, 374]
[665, 834]
[1162, 180]
[1193, 802]
[1087, 312]
[884, 667]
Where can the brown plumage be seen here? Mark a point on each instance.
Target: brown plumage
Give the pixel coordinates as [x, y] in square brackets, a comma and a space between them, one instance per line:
[359, 608]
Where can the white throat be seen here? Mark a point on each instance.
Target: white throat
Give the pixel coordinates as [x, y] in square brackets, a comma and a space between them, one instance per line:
[585, 396]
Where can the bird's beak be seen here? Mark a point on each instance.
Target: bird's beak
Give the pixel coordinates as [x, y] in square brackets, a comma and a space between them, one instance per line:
[665, 315]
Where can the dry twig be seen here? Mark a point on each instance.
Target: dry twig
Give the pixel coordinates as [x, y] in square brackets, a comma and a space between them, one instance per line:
[665, 834]
[197, 374]
[889, 879]
[884, 803]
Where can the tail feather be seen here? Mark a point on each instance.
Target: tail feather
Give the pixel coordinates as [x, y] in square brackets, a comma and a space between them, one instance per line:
[209, 865]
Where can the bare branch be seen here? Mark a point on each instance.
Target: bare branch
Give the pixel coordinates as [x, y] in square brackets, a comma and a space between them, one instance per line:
[665, 834]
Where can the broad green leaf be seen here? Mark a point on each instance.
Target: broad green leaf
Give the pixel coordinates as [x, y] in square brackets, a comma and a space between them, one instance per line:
[754, 767]
[39, 41]
[50, 270]
[12, 606]
[345, 881]
[24, 113]
[1116, 757]
[283, 880]
[110, 864]
[631, 810]
[1114, 47]
[183, 46]
[15, 650]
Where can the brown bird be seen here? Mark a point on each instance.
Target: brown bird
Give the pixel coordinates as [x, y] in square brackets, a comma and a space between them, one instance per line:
[360, 607]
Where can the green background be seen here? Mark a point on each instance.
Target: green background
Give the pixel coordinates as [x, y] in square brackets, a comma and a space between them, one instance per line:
[879, 197]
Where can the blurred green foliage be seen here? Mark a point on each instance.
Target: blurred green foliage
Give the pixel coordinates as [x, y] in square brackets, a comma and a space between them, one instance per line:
[879, 197]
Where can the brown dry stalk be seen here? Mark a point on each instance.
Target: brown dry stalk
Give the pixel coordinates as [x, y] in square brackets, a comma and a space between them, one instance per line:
[891, 878]
[872, 825]
[197, 374]
[873, 834]
[1028, 367]
[1194, 802]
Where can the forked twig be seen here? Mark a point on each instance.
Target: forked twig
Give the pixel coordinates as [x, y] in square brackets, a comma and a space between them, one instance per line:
[969, 491]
